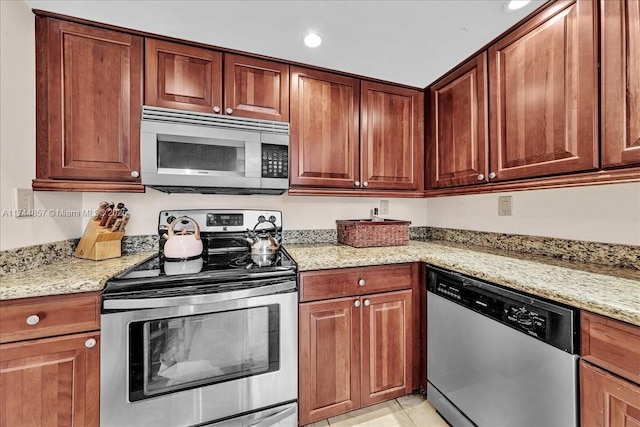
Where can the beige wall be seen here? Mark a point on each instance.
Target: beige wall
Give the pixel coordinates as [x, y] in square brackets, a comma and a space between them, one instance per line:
[298, 212]
[608, 213]
[17, 138]
[601, 213]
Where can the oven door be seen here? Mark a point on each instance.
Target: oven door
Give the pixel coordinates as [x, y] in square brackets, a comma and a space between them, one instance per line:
[198, 359]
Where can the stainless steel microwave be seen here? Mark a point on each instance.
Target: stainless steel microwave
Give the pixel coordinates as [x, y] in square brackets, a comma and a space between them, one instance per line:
[192, 152]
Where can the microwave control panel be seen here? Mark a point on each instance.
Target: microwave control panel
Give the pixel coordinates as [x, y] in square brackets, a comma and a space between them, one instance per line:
[275, 161]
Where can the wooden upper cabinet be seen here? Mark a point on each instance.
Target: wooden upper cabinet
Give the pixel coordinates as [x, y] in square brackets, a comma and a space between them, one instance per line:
[458, 125]
[387, 351]
[191, 78]
[89, 97]
[391, 137]
[324, 129]
[182, 77]
[620, 79]
[256, 88]
[543, 94]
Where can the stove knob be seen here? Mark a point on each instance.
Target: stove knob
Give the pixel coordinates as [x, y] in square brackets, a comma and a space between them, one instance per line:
[261, 219]
[170, 219]
[272, 219]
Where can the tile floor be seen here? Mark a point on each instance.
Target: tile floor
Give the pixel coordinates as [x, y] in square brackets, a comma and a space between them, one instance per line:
[412, 410]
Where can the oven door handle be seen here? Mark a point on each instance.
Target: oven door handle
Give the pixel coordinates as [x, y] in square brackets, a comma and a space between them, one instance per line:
[273, 419]
[182, 300]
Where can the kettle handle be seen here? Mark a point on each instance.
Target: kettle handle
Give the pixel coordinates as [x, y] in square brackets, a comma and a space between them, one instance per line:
[185, 218]
[275, 229]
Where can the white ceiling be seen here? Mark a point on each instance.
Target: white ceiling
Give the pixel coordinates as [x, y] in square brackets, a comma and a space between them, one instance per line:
[410, 42]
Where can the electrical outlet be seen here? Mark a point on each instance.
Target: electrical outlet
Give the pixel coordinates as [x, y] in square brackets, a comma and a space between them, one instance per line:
[384, 207]
[24, 202]
[504, 205]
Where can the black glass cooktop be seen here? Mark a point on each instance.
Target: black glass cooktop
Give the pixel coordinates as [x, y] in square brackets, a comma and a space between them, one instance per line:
[159, 272]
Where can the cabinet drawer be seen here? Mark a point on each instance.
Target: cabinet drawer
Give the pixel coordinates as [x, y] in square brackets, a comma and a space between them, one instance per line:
[612, 345]
[321, 284]
[48, 316]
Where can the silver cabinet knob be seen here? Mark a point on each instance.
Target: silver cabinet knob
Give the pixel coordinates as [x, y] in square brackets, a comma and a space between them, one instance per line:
[216, 109]
[32, 320]
[90, 343]
[229, 110]
[356, 303]
[367, 302]
[365, 184]
[135, 174]
[361, 282]
[480, 177]
[357, 183]
[492, 175]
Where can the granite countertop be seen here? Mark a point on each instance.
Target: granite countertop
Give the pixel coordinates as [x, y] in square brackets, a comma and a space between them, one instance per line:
[613, 292]
[67, 276]
[610, 291]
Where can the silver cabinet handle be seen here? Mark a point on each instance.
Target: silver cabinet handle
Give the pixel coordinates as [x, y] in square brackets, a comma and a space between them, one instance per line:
[90, 343]
[33, 320]
[367, 303]
[361, 282]
[357, 183]
[480, 177]
[492, 175]
[365, 184]
[229, 110]
[216, 109]
[135, 174]
[356, 303]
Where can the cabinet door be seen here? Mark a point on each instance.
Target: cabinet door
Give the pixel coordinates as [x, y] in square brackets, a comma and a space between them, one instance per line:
[620, 68]
[182, 77]
[543, 92]
[391, 137]
[256, 88]
[324, 129]
[607, 400]
[387, 346]
[50, 382]
[458, 126]
[329, 355]
[90, 91]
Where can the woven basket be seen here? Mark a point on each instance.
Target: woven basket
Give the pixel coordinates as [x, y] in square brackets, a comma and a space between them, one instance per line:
[364, 233]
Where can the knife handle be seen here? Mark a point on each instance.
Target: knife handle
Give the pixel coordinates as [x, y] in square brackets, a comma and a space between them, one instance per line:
[105, 217]
[116, 225]
[125, 220]
[112, 217]
[100, 211]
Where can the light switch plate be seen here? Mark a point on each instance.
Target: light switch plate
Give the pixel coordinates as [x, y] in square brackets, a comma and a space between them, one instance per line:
[24, 202]
[384, 207]
[504, 205]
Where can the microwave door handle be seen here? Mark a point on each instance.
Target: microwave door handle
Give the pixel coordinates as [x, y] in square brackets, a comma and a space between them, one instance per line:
[273, 419]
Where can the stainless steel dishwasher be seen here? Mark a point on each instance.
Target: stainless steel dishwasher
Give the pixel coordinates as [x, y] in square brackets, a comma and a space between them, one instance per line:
[499, 358]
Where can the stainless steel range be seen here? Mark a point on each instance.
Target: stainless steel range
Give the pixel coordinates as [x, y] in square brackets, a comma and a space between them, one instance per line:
[209, 339]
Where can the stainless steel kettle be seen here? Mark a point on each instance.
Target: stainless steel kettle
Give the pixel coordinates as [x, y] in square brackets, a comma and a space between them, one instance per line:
[264, 246]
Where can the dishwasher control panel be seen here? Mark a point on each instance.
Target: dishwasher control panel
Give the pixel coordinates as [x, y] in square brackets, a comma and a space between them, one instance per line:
[533, 316]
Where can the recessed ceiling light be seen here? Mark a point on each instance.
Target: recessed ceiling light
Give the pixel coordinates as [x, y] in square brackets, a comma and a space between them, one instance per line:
[513, 5]
[312, 40]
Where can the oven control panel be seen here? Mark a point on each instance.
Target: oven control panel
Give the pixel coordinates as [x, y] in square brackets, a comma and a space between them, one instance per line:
[222, 220]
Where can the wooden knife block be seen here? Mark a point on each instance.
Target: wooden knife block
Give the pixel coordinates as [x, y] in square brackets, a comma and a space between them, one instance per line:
[99, 243]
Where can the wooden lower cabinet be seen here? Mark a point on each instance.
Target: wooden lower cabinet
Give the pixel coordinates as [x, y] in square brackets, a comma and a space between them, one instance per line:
[607, 400]
[354, 352]
[51, 382]
[609, 372]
